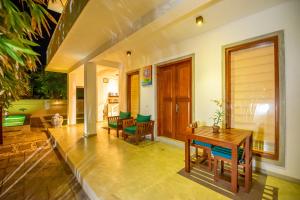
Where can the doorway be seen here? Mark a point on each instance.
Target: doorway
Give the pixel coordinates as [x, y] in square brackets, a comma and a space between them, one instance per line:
[79, 105]
[133, 93]
[174, 98]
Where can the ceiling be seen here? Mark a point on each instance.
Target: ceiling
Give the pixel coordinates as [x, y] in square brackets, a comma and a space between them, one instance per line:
[57, 5]
[215, 15]
[100, 23]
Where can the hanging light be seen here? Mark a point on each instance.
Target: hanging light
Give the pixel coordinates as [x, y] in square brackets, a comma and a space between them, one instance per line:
[128, 53]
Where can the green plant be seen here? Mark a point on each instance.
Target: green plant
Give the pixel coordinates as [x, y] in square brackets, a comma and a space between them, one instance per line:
[49, 85]
[219, 113]
[17, 29]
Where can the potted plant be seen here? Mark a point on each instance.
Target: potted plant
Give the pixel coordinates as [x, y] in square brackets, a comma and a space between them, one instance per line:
[218, 116]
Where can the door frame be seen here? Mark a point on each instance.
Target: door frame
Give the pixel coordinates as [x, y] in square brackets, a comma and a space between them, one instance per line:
[128, 86]
[167, 63]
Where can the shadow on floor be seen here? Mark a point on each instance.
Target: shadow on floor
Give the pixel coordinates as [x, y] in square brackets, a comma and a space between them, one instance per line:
[259, 189]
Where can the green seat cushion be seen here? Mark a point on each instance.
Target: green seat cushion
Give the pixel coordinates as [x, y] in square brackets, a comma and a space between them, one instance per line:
[124, 115]
[130, 129]
[113, 124]
[143, 118]
[226, 153]
[199, 143]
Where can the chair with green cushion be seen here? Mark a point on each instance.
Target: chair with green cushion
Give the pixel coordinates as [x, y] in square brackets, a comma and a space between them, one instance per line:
[142, 126]
[206, 147]
[206, 151]
[115, 122]
[224, 155]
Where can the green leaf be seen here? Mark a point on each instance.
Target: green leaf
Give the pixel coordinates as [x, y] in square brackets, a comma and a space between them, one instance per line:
[28, 42]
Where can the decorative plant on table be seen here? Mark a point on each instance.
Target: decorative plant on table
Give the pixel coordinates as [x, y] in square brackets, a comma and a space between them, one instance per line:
[218, 116]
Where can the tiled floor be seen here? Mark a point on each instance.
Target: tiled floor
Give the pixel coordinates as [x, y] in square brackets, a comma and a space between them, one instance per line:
[111, 168]
[31, 169]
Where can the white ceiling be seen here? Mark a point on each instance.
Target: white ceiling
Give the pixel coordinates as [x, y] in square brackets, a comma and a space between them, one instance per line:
[94, 27]
[101, 21]
[56, 5]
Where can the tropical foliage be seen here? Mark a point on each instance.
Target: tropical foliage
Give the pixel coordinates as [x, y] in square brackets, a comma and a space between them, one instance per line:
[17, 30]
[18, 27]
[49, 85]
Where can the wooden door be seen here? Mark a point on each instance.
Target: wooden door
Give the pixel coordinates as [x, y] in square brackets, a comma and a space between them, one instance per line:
[166, 102]
[174, 99]
[133, 93]
[182, 99]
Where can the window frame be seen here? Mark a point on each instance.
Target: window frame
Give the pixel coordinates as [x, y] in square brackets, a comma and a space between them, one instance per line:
[245, 45]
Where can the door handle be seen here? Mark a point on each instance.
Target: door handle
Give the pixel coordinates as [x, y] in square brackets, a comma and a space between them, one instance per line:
[176, 107]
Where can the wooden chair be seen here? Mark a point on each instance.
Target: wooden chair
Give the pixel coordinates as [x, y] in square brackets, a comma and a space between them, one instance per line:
[138, 128]
[201, 145]
[206, 151]
[115, 122]
[224, 155]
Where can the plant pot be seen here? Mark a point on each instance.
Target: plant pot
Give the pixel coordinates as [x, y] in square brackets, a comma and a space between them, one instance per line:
[216, 129]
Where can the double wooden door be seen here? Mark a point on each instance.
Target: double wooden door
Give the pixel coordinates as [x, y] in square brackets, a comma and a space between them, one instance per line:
[174, 99]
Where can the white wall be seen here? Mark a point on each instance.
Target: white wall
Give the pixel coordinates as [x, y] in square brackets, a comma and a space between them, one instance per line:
[207, 48]
[104, 89]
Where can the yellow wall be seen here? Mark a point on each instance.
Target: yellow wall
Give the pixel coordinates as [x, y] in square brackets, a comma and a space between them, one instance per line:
[40, 107]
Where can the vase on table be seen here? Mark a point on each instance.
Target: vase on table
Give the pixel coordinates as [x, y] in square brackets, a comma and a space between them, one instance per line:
[57, 120]
[216, 129]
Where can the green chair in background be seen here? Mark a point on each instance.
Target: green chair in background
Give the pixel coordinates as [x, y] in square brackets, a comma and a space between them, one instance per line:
[142, 126]
[115, 122]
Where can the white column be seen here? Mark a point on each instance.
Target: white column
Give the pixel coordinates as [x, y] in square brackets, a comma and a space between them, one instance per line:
[71, 98]
[90, 99]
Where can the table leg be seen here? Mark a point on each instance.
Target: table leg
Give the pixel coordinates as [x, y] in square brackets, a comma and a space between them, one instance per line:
[247, 163]
[187, 155]
[234, 169]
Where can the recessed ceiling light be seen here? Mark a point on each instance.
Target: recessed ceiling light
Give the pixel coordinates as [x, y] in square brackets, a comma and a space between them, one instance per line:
[199, 20]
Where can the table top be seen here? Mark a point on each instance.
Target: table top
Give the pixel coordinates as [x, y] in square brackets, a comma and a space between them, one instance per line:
[227, 137]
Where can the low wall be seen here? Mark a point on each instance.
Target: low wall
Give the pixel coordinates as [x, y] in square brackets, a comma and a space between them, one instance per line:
[42, 107]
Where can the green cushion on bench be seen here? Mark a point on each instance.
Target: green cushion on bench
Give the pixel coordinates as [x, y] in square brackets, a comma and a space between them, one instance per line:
[130, 129]
[143, 118]
[113, 124]
[124, 115]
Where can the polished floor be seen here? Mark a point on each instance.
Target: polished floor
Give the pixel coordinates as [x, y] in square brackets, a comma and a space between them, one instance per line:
[110, 168]
[31, 169]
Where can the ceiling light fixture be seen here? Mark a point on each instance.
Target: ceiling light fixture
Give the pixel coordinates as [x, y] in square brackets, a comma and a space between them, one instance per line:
[199, 20]
[128, 53]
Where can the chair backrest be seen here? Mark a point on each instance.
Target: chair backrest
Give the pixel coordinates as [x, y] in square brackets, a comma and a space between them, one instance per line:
[143, 118]
[125, 115]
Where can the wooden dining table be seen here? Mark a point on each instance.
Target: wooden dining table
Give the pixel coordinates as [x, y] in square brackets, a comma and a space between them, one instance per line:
[228, 138]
